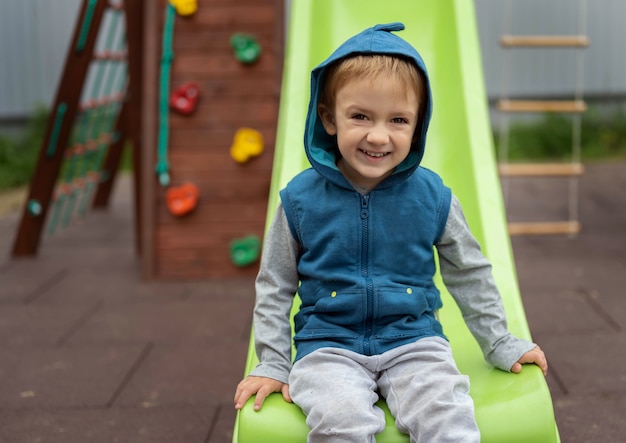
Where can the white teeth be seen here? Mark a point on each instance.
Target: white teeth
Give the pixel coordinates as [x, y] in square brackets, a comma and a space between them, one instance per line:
[375, 154]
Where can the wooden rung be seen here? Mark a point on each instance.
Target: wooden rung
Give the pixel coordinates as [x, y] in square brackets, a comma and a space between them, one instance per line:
[545, 41]
[544, 228]
[574, 106]
[541, 169]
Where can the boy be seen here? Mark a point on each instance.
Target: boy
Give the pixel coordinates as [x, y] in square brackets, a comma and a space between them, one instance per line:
[354, 236]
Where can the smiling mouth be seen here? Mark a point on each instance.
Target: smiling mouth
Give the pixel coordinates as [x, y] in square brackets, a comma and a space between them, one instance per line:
[374, 154]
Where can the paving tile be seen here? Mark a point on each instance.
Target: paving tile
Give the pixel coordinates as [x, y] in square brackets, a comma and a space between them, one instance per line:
[26, 279]
[562, 312]
[591, 418]
[587, 363]
[8, 226]
[240, 289]
[546, 273]
[175, 322]
[28, 325]
[523, 204]
[90, 256]
[604, 285]
[111, 286]
[223, 425]
[186, 374]
[63, 377]
[180, 424]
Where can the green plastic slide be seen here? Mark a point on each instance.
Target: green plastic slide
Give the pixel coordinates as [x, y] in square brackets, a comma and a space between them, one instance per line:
[509, 407]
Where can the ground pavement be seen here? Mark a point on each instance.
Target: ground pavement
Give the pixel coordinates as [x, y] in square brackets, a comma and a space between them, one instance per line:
[90, 353]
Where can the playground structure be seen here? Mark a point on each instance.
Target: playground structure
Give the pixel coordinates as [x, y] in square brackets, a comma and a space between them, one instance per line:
[509, 407]
[201, 187]
[192, 87]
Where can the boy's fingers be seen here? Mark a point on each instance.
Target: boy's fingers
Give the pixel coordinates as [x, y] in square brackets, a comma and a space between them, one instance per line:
[260, 398]
[262, 388]
[245, 390]
[539, 358]
[535, 356]
[286, 395]
[241, 397]
[543, 363]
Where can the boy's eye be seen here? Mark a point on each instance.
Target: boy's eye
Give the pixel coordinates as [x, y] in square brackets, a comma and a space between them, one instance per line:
[359, 117]
[399, 120]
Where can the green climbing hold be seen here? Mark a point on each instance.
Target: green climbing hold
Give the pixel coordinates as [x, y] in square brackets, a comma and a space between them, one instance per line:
[245, 251]
[247, 50]
[34, 208]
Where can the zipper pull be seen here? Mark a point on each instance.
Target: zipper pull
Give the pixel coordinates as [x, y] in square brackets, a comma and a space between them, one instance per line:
[365, 199]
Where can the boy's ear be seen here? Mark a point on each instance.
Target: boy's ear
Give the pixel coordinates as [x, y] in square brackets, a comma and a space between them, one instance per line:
[328, 120]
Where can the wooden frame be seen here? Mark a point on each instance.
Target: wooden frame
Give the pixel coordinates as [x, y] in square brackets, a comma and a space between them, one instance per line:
[539, 169]
[58, 130]
[565, 106]
[545, 41]
[544, 228]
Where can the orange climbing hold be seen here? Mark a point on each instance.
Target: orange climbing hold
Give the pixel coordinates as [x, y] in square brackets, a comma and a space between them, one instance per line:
[183, 199]
[185, 98]
[247, 143]
[185, 7]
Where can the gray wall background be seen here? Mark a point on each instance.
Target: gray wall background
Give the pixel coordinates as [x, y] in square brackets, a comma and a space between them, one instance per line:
[552, 72]
[34, 35]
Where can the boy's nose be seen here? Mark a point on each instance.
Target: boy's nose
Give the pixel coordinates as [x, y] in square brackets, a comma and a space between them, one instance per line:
[378, 136]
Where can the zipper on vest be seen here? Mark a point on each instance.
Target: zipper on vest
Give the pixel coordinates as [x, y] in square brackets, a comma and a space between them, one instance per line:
[365, 199]
[367, 349]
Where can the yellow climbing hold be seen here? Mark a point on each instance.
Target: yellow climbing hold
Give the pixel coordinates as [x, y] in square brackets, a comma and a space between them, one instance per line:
[247, 143]
[185, 7]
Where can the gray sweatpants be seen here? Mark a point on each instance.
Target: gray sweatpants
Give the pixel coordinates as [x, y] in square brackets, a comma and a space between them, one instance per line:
[429, 398]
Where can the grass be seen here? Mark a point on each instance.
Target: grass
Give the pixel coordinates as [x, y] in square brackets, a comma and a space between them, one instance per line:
[18, 155]
[550, 139]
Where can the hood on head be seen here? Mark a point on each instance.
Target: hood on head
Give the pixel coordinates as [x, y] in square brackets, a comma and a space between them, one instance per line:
[321, 148]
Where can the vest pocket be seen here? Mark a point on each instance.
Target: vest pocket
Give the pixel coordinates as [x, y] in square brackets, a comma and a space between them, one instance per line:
[404, 310]
[335, 313]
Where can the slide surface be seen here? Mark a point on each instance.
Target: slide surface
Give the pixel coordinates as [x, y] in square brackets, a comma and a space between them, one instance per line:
[509, 408]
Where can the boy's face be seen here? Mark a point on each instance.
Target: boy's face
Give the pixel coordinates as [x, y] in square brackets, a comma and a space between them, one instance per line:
[374, 122]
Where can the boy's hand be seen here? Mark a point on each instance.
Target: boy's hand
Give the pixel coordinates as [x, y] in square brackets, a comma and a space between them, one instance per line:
[535, 356]
[262, 387]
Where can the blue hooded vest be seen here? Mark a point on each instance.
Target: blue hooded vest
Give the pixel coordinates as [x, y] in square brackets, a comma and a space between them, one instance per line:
[367, 263]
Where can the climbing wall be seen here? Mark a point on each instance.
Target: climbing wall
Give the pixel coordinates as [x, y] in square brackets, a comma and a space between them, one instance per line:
[224, 81]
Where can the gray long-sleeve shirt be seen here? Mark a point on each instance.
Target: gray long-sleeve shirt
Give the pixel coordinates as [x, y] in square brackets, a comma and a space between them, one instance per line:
[465, 271]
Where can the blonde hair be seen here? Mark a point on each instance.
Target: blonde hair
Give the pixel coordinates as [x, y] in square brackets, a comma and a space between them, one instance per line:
[374, 67]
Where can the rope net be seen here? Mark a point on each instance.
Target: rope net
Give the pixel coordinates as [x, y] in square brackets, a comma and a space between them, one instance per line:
[94, 128]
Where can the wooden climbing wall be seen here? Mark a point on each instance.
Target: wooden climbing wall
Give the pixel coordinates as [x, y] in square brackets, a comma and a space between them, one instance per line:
[232, 196]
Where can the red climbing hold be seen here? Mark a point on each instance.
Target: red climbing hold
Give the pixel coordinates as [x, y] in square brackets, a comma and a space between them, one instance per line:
[185, 98]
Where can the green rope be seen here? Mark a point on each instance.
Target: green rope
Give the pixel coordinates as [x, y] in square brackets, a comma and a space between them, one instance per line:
[84, 29]
[162, 166]
[56, 129]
